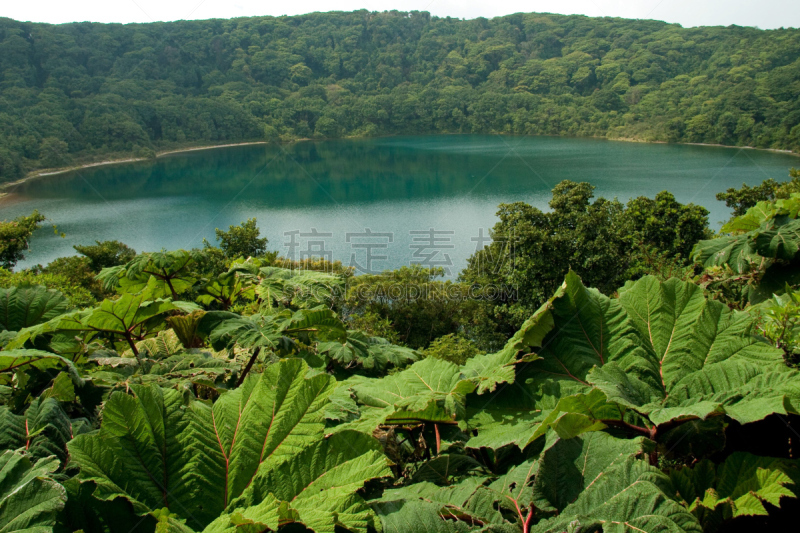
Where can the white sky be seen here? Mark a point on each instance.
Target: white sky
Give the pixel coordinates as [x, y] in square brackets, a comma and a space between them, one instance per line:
[762, 13]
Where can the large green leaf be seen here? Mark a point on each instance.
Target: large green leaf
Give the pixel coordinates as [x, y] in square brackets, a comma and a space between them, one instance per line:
[22, 307]
[627, 497]
[42, 431]
[417, 516]
[589, 329]
[29, 498]
[316, 487]
[297, 288]
[430, 390]
[736, 251]
[157, 450]
[662, 350]
[371, 353]
[595, 479]
[762, 213]
[164, 274]
[129, 315]
[488, 371]
[782, 242]
[273, 331]
[570, 466]
[15, 360]
[255, 331]
[740, 486]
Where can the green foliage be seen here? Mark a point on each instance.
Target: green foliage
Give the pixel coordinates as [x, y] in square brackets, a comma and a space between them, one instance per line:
[75, 292]
[453, 348]
[588, 481]
[14, 236]
[166, 415]
[418, 306]
[79, 276]
[29, 497]
[125, 91]
[757, 257]
[106, 254]
[297, 289]
[605, 242]
[200, 461]
[370, 353]
[778, 320]
[659, 361]
[156, 274]
[25, 306]
[740, 486]
[54, 152]
[42, 431]
[241, 241]
[128, 319]
[740, 200]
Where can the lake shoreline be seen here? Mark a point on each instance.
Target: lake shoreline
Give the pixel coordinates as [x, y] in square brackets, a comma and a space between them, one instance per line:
[53, 172]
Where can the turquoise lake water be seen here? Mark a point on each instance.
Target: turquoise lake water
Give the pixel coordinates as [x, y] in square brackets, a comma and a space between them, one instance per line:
[429, 199]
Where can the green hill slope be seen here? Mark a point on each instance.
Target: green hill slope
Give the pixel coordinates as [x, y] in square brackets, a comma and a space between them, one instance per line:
[75, 92]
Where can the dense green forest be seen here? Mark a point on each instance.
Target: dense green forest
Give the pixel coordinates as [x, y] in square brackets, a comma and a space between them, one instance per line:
[226, 389]
[84, 91]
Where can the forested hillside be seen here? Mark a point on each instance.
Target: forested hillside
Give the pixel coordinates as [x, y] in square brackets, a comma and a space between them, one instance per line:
[82, 91]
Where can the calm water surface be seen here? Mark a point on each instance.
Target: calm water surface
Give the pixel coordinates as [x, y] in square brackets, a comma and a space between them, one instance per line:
[309, 196]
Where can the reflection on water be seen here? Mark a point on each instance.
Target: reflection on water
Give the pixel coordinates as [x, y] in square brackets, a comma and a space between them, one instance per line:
[394, 185]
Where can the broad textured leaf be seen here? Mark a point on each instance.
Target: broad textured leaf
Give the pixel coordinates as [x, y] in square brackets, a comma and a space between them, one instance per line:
[62, 389]
[738, 487]
[760, 215]
[42, 431]
[381, 354]
[23, 307]
[627, 497]
[248, 332]
[157, 451]
[316, 486]
[490, 370]
[161, 274]
[322, 323]
[568, 467]
[505, 420]
[127, 314]
[568, 476]
[430, 390]
[14, 359]
[589, 330]
[342, 406]
[458, 507]
[372, 353]
[736, 251]
[417, 516]
[782, 242]
[663, 350]
[753, 219]
[30, 499]
[163, 345]
[299, 288]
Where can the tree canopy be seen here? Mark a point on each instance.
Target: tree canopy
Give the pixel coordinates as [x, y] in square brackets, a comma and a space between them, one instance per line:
[82, 91]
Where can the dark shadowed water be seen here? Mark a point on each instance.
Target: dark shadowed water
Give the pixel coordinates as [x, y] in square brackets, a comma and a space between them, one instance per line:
[315, 198]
